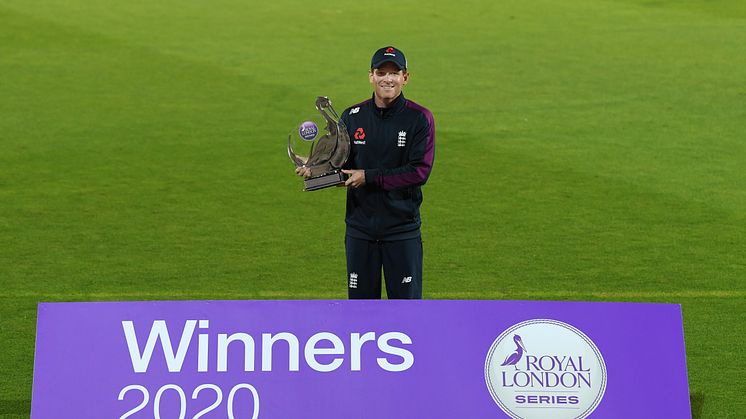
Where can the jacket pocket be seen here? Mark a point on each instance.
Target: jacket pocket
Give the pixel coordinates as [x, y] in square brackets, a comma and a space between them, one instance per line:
[401, 205]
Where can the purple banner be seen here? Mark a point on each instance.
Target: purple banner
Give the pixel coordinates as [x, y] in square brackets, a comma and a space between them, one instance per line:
[359, 359]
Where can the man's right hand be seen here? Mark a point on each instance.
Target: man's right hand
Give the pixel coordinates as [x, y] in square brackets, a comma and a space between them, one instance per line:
[303, 171]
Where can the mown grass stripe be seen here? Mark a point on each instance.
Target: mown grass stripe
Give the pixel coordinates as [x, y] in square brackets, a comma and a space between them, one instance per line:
[317, 295]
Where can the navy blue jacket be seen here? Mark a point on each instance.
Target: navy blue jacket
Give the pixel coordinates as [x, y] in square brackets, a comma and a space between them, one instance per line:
[396, 147]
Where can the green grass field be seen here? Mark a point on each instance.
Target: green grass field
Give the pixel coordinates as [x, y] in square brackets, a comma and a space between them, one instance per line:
[587, 150]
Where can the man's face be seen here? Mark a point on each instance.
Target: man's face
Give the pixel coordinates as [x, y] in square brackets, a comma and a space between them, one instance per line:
[387, 81]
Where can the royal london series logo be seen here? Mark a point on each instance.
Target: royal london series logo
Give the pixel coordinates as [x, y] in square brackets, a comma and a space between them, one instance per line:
[542, 368]
[308, 130]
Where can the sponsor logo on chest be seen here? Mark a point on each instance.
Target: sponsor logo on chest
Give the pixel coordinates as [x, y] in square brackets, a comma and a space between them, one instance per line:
[359, 137]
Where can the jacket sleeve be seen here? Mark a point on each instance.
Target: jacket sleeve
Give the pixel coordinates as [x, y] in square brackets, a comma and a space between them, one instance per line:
[419, 162]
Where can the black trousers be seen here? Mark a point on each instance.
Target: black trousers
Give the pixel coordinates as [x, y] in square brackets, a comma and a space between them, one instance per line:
[401, 261]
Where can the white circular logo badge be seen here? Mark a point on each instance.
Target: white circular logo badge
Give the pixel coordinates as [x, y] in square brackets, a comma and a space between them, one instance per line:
[545, 368]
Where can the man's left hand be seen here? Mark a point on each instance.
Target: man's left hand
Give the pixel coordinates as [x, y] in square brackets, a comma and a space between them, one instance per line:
[356, 179]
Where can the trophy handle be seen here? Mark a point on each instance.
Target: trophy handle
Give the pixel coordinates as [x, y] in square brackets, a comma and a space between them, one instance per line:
[299, 161]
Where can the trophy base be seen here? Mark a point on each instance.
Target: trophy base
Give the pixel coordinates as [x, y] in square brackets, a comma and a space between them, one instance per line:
[324, 181]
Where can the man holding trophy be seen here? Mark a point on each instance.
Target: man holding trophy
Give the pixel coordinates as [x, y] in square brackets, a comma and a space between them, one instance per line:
[389, 143]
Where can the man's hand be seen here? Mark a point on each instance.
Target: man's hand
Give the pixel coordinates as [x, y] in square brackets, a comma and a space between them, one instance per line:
[303, 171]
[356, 179]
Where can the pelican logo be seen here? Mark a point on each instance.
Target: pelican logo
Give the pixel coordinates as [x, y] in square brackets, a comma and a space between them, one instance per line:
[514, 358]
[545, 368]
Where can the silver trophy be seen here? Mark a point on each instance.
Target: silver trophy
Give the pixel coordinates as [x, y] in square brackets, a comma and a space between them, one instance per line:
[323, 154]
